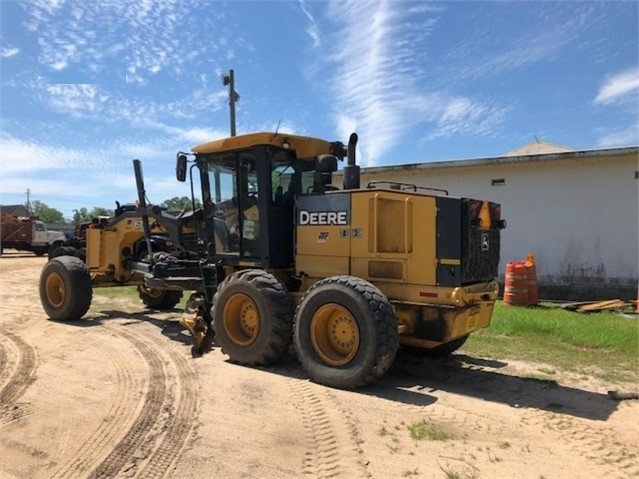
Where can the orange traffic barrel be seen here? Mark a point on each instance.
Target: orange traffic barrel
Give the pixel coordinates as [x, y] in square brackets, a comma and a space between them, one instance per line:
[531, 275]
[516, 284]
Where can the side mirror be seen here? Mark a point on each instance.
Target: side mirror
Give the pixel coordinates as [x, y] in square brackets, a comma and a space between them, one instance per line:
[180, 168]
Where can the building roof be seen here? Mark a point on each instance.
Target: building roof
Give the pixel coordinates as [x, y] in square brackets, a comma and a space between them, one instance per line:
[15, 210]
[538, 147]
[500, 160]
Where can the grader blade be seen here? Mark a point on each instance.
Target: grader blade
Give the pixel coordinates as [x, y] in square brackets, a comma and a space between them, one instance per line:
[196, 325]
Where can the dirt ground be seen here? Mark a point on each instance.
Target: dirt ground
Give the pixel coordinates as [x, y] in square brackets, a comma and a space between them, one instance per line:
[119, 395]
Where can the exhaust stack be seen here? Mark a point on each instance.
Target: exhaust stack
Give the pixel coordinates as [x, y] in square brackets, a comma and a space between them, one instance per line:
[351, 170]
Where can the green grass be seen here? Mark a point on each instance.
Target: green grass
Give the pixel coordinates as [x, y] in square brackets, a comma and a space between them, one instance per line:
[425, 430]
[602, 344]
[129, 294]
[118, 292]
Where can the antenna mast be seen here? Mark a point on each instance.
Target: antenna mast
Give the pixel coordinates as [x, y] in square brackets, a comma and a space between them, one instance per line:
[233, 96]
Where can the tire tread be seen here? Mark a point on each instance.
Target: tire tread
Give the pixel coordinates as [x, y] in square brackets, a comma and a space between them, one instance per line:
[79, 290]
[276, 297]
[383, 318]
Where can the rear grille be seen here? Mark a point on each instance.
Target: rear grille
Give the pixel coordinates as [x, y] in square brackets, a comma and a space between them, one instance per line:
[480, 260]
[479, 248]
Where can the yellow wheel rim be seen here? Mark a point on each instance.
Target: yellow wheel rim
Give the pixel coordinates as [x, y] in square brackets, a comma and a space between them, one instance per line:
[56, 291]
[334, 334]
[241, 320]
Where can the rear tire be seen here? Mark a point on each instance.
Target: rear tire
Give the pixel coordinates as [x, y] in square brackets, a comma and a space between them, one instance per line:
[82, 254]
[345, 332]
[40, 250]
[159, 299]
[252, 317]
[62, 251]
[53, 247]
[65, 288]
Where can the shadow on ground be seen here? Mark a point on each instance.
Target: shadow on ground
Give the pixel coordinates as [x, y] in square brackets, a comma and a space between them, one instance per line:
[417, 380]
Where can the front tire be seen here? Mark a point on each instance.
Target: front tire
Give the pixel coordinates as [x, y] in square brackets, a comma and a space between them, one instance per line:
[65, 288]
[252, 317]
[159, 299]
[345, 332]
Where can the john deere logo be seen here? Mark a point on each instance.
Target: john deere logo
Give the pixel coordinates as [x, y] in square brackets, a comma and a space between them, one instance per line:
[485, 246]
[323, 218]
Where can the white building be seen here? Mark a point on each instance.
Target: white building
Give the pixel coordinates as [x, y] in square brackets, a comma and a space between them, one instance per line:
[576, 211]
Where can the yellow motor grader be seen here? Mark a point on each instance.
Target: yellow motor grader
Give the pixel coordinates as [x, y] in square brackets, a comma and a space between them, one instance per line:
[277, 255]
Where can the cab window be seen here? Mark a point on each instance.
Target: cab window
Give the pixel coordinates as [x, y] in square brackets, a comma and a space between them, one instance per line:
[233, 179]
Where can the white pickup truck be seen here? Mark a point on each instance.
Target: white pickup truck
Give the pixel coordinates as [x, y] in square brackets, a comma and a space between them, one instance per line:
[27, 234]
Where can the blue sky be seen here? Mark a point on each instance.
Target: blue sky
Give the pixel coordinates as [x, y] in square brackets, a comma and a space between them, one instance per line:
[88, 86]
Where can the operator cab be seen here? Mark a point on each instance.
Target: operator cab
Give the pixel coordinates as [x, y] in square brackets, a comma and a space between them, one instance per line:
[249, 184]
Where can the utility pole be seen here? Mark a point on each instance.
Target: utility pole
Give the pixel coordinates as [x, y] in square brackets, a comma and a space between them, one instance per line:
[233, 96]
[28, 202]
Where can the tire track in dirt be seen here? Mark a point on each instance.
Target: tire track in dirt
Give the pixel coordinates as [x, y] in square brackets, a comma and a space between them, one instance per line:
[165, 420]
[334, 449]
[14, 381]
[114, 423]
[180, 425]
[591, 442]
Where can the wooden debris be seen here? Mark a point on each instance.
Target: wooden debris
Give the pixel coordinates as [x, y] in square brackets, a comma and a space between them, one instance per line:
[595, 306]
[620, 395]
[575, 305]
[610, 305]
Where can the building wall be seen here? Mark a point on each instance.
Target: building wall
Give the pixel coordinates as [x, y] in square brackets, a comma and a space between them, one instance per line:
[578, 214]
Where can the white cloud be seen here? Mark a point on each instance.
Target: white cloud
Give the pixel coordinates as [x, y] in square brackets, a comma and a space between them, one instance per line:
[196, 135]
[23, 157]
[466, 116]
[75, 99]
[479, 53]
[373, 73]
[20, 157]
[377, 76]
[137, 40]
[624, 137]
[9, 52]
[312, 30]
[69, 178]
[618, 87]
[93, 102]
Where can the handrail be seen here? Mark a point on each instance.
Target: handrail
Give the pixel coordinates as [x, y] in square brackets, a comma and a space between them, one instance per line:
[375, 198]
[398, 185]
[407, 201]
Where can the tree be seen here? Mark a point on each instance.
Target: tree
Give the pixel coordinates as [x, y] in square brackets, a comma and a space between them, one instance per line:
[46, 213]
[100, 211]
[179, 204]
[83, 215]
[80, 216]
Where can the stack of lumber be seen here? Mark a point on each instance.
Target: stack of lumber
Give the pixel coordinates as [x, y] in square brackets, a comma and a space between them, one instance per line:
[595, 306]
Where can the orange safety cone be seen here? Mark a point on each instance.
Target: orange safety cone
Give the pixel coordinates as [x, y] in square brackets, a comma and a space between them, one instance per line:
[531, 275]
[516, 284]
